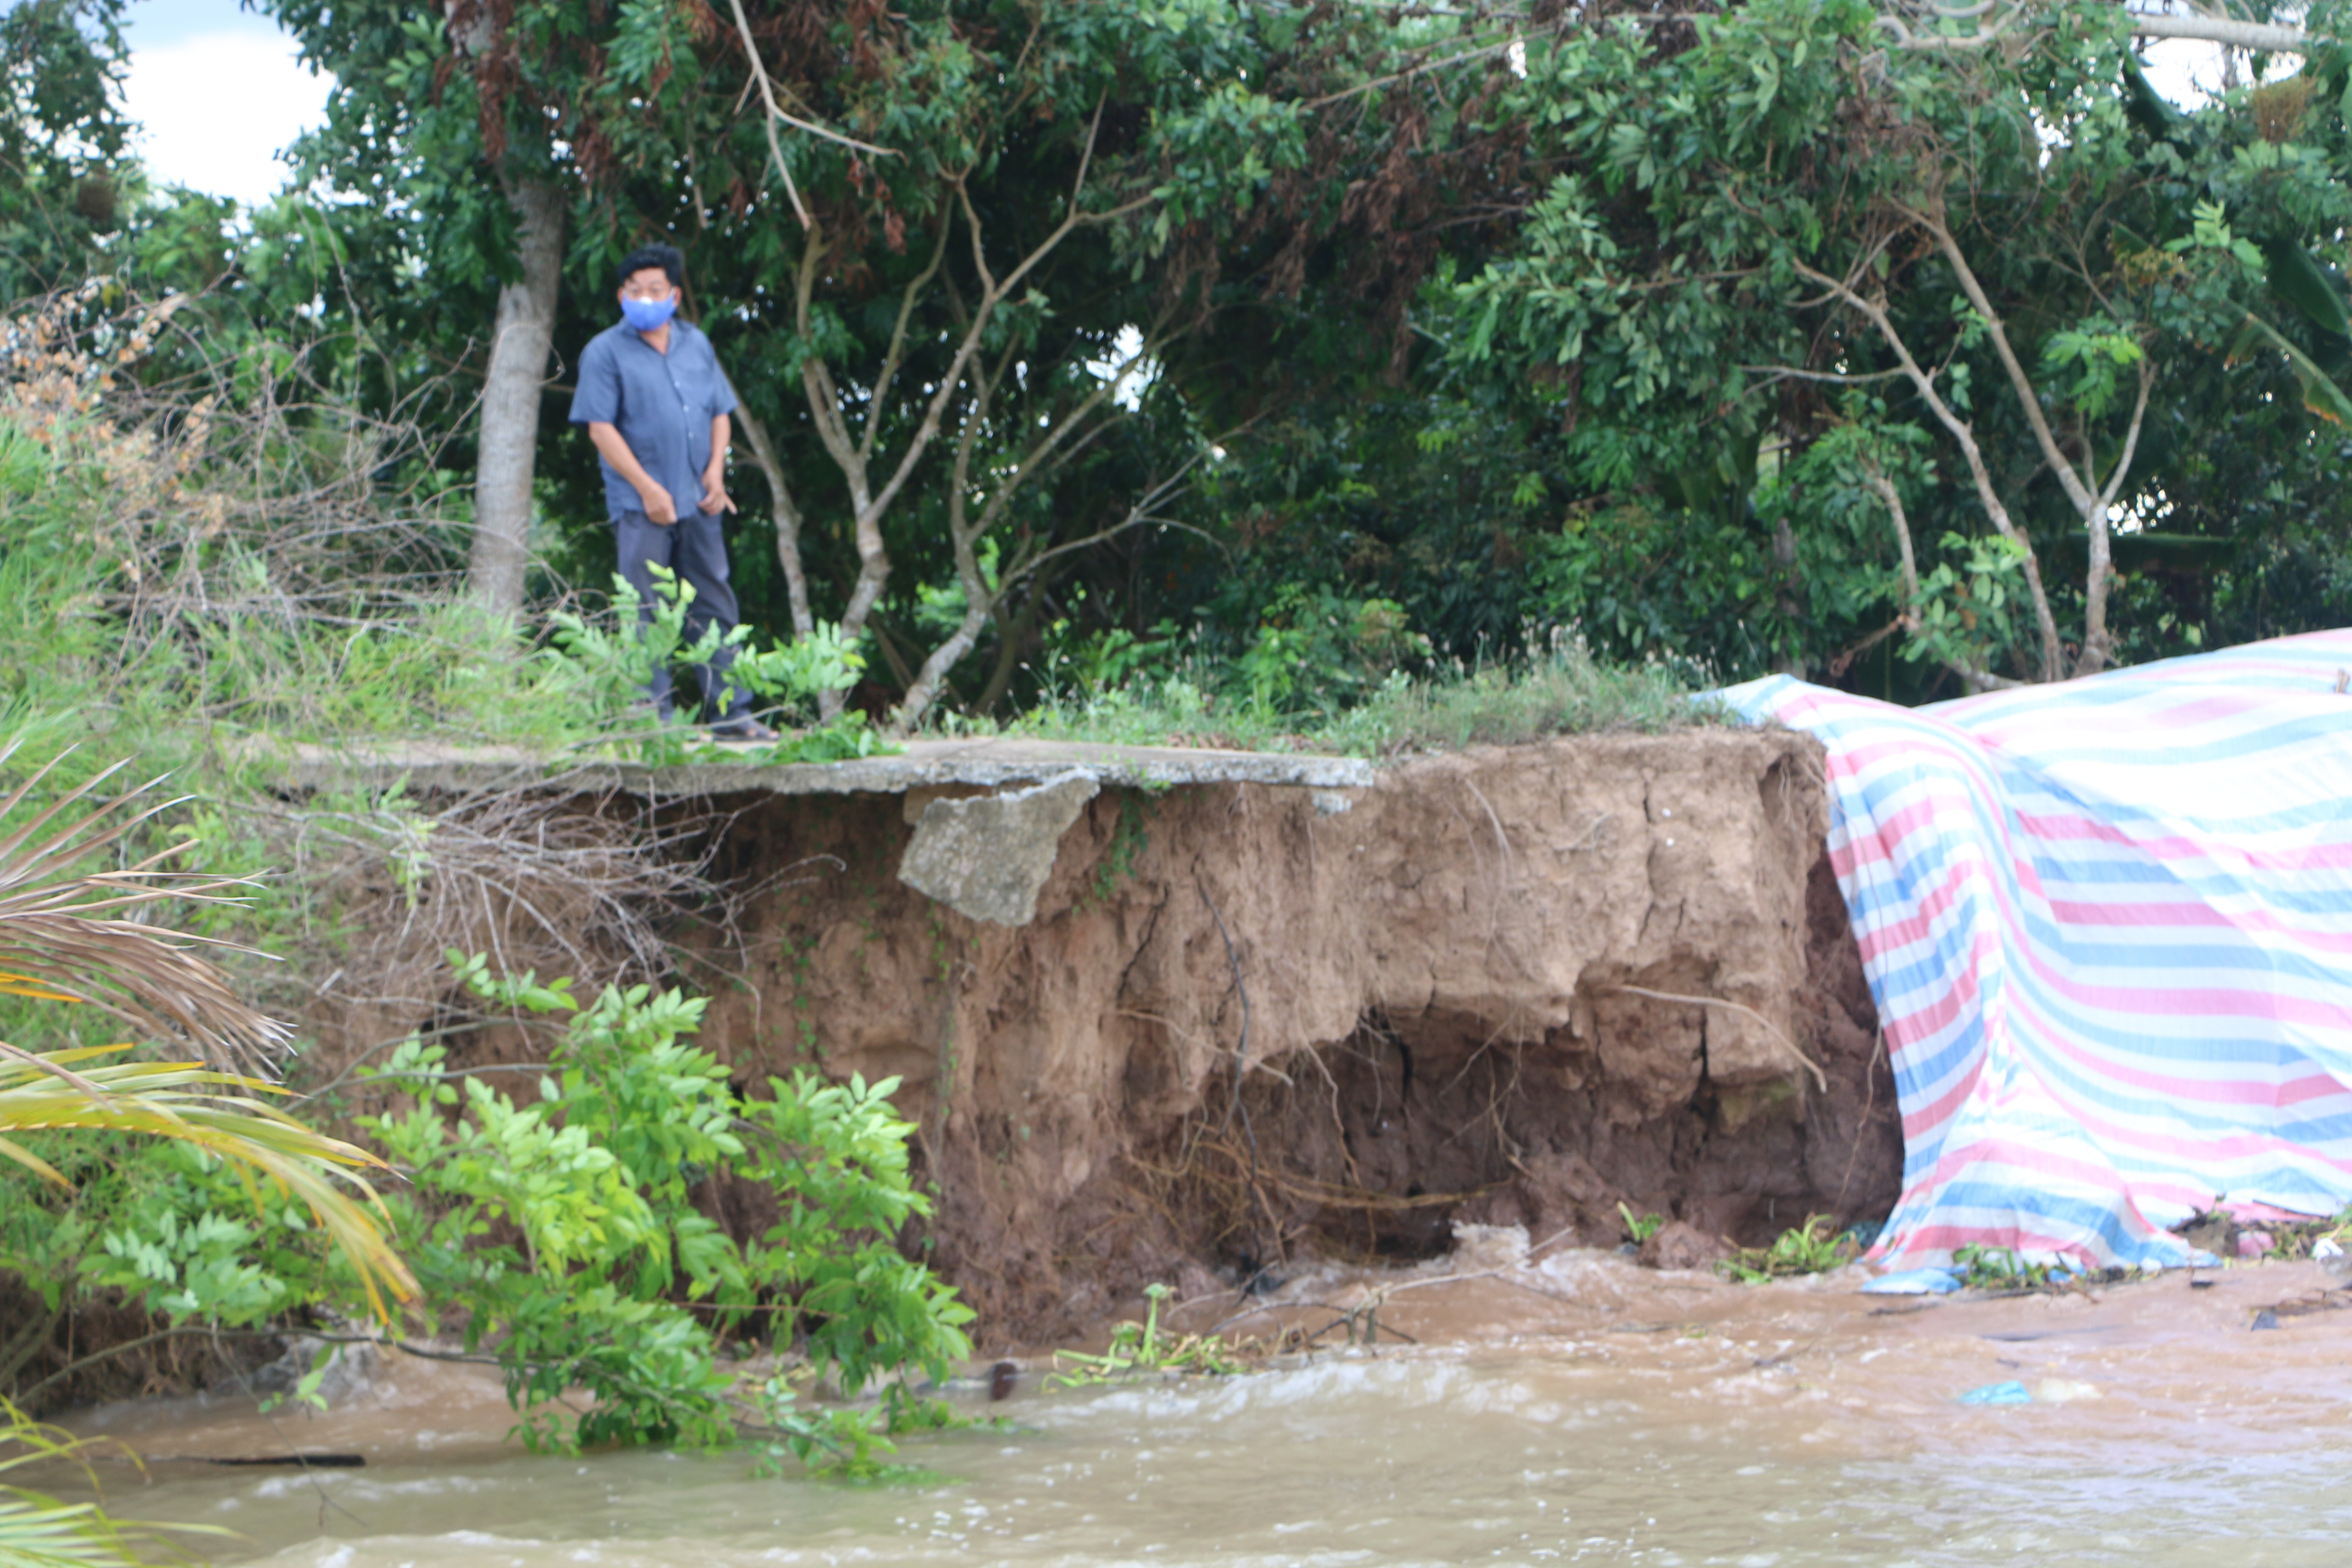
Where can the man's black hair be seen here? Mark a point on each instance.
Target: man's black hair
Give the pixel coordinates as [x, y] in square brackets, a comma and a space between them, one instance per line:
[668, 257]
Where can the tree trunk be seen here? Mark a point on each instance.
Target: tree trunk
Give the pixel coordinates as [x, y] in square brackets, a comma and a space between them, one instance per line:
[524, 332]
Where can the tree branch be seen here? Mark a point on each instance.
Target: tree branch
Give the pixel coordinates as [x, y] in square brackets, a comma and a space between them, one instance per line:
[2259, 37]
[2262, 37]
[979, 599]
[1138, 515]
[2096, 643]
[768, 98]
[816, 379]
[2053, 650]
[1975, 677]
[785, 515]
[1875, 478]
[2020, 382]
[775, 113]
[871, 504]
[896, 352]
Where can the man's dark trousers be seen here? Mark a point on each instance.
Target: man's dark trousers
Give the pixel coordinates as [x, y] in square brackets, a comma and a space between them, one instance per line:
[695, 549]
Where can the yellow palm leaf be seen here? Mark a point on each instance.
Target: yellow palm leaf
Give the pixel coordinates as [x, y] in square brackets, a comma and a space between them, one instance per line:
[212, 1111]
[25, 985]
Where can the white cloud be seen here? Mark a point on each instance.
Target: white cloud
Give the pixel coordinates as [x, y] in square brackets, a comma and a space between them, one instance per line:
[217, 109]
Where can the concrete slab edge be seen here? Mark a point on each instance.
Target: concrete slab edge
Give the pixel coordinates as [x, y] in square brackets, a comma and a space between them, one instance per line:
[869, 775]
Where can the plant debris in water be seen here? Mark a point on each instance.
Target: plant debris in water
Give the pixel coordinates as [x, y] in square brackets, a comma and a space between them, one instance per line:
[1815, 1246]
[1140, 1349]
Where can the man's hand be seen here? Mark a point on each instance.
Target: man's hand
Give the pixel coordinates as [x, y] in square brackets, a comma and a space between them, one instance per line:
[659, 505]
[715, 498]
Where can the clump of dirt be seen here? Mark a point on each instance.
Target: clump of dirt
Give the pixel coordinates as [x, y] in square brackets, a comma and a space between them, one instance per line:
[1520, 985]
[1680, 1245]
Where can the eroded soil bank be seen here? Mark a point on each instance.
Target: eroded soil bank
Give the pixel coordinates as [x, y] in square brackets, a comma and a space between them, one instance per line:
[1514, 986]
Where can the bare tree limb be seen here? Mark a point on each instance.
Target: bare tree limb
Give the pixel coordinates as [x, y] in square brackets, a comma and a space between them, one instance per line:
[776, 113]
[895, 354]
[2259, 37]
[2029, 401]
[1875, 478]
[786, 516]
[767, 121]
[2097, 644]
[2263, 38]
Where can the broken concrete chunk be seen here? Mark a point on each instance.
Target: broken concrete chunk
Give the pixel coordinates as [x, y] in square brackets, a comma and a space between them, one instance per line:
[987, 856]
[915, 802]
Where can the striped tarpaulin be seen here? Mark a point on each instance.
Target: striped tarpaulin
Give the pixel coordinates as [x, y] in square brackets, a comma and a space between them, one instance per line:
[2108, 927]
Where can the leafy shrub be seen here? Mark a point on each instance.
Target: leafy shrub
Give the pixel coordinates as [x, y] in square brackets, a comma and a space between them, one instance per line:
[566, 1225]
[611, 662]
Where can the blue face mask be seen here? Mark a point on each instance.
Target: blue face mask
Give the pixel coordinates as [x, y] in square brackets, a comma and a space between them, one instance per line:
[647, 315]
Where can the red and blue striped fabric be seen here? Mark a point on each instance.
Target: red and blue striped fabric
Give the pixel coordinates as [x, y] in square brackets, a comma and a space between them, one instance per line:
[2108, 927]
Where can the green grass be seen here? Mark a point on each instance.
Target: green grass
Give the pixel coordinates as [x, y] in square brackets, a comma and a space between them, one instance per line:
[1561, 691]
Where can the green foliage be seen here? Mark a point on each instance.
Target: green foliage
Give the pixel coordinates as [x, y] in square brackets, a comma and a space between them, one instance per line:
[1560, 689]
[565, 1223]
[1673, 282]
[1503, 397]
[65, 181]
[182, 1249]
[1970, 607]
[1647, 581]
[1369, 528]
[103, 508]
[1092, 160]
[448, 668]
[1641, 1227]
[1128, 842]
[610, 662]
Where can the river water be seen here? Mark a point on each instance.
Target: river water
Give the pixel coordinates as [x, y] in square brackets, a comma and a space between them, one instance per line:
[1586, 1413]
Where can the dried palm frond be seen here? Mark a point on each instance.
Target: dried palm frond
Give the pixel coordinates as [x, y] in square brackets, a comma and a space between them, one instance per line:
[71, 935]
[538, 876]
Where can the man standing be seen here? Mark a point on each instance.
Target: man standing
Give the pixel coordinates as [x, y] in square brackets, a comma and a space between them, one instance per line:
[656, 404]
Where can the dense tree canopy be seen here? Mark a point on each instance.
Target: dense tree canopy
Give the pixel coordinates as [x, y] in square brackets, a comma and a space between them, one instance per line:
[1910, 351]
[1969, 277]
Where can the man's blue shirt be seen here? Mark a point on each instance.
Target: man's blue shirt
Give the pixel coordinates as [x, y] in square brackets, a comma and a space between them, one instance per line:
[662, 404]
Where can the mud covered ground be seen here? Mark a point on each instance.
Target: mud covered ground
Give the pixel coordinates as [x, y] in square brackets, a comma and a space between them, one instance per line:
[2150, 1353]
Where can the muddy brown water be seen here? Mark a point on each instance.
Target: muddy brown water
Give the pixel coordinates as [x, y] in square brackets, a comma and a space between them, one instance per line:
[1578, 1410]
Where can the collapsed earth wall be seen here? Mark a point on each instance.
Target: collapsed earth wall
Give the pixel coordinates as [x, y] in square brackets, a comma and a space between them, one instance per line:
[1467, 996]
